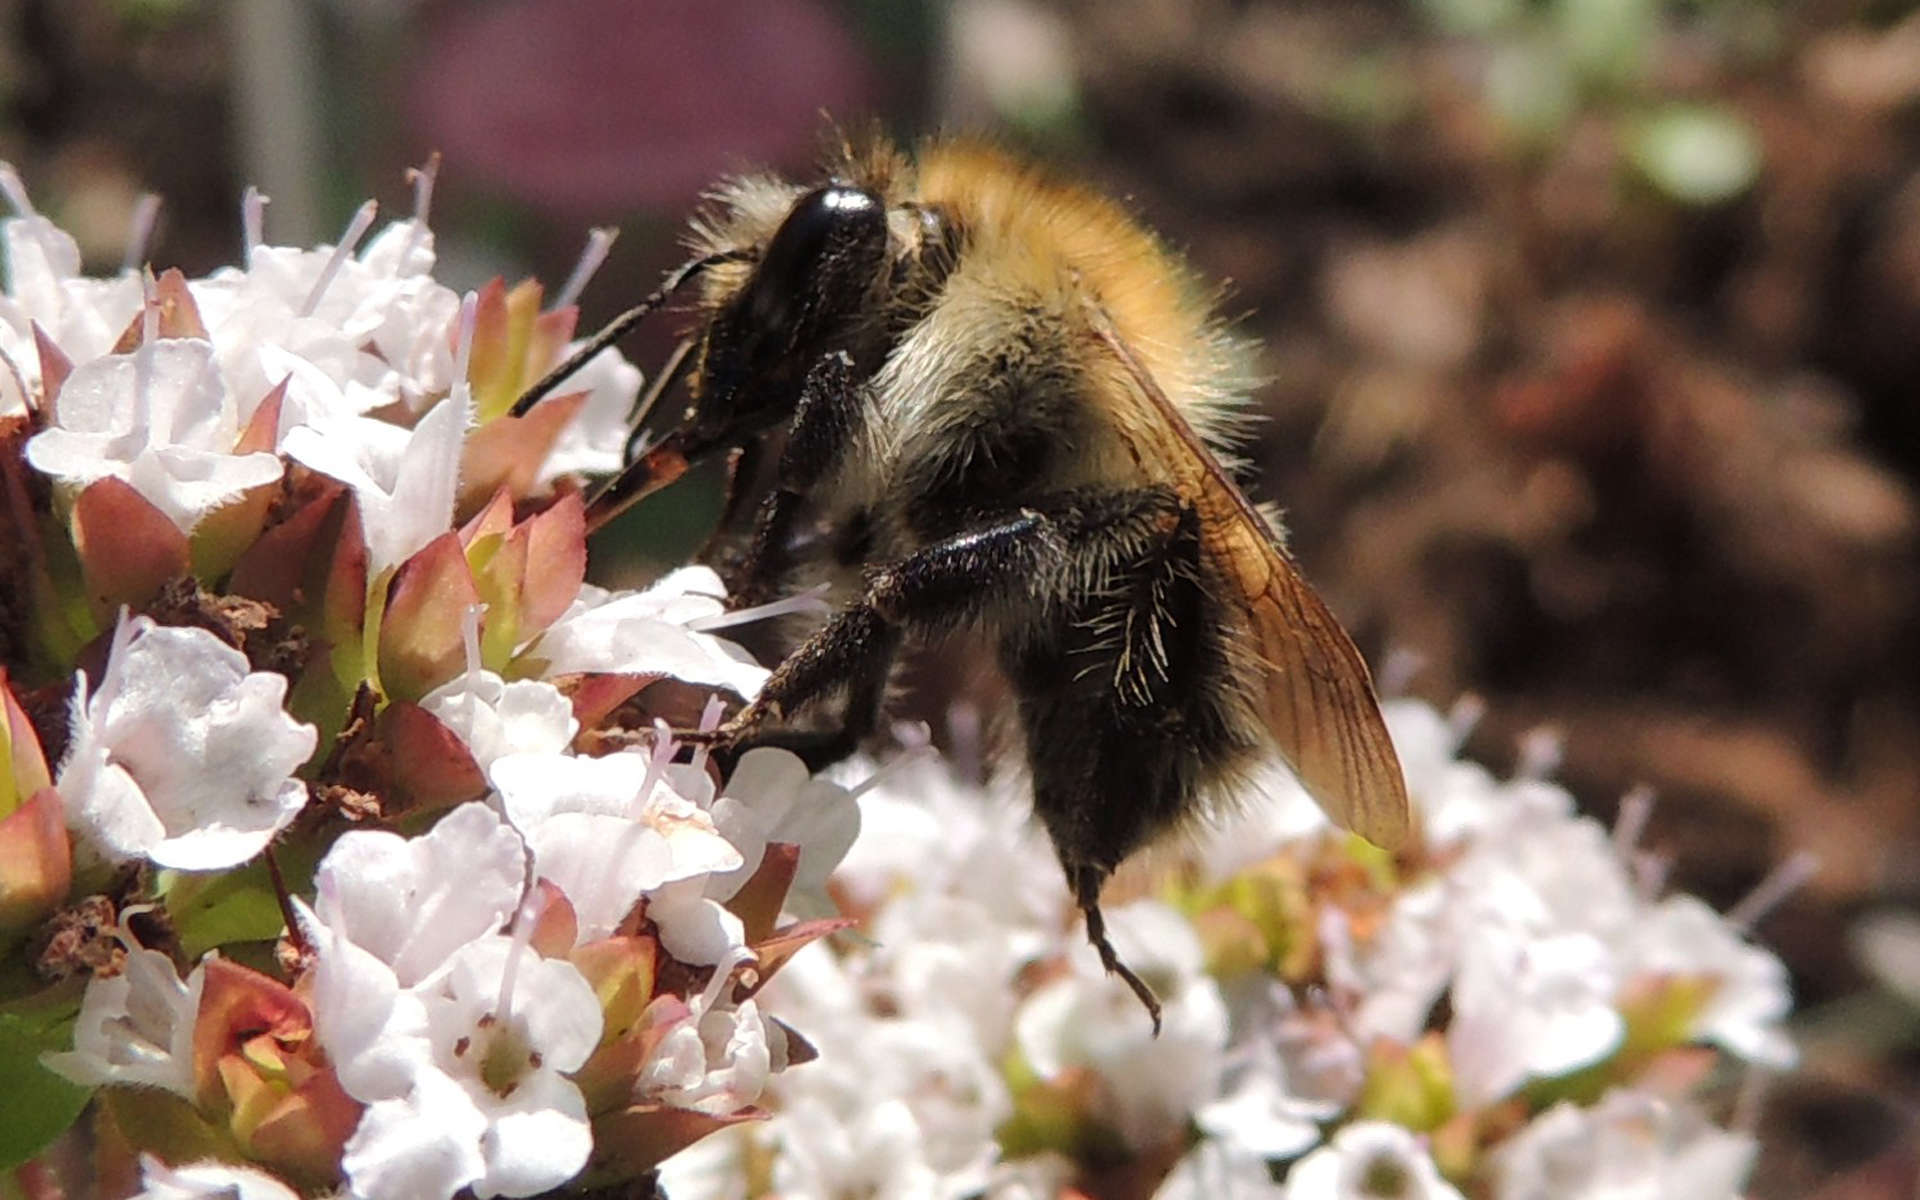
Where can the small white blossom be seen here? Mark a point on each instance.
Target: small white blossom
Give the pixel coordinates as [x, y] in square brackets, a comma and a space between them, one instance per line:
[607, 830]
[1630, 1144]
[83, 316]
[208, 1181]
[405, 482]
[508, 1033]
[1529, 1008]
[158, 418]
[1750, 996]
[389, 914]
[1090, 1019]
[136, 1028]
[496, 718]
[771, 797]
[182, 754]
[652, 633]
[1369, 1160]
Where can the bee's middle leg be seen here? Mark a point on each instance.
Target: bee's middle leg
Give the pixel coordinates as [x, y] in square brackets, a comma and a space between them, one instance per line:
[1035, 555]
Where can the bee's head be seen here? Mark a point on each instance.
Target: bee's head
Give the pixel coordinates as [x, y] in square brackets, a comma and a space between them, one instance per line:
[814, 279]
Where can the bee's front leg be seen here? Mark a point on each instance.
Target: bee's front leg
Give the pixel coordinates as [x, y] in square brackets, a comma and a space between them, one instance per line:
[824, 421]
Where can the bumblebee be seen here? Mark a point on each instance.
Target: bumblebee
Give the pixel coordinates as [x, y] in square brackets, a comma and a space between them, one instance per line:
[1005, 406]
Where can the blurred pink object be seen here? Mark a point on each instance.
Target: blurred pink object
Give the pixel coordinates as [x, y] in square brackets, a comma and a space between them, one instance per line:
[591, 107]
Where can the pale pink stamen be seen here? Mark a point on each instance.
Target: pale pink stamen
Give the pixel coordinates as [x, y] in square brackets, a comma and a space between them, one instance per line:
[1541, 751]
[253, 220]
[1464, 716]
[709, 721]
[1399, 670]
[422, 179]
[15, 191]
[146, 215]
[812, 601]
[917, 742]
[143, 354]
[531, 908]
[658, 759]
[599, 241]
[349, 240]
[470, 640]
[1636, 809]
[1780, 883]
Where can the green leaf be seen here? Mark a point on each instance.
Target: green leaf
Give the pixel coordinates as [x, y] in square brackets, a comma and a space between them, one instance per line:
[214, 910]
[36, 1105]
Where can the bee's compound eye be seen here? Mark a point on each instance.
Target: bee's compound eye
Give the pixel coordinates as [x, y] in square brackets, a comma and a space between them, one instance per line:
[833, 239]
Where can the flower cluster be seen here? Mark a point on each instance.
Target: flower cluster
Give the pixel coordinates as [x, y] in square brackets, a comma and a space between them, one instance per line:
[363, 861]
[1508, 1009]
[345, 846]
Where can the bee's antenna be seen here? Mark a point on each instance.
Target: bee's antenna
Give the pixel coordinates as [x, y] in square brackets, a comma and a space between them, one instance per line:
[617, 328]
[669, 373]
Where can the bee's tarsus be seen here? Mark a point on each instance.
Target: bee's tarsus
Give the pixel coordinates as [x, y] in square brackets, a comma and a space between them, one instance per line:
[1097, 934]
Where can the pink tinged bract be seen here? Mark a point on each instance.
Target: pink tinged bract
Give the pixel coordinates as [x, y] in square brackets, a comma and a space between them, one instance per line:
[182, 755]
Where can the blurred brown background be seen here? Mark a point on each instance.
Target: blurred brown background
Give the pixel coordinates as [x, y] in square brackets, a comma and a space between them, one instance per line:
[1593, 329]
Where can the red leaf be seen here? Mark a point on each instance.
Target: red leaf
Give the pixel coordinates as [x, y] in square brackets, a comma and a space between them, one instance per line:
[556, 562]
[761, 897]
[507, 451]
[36, 860]
[421, 645]
[127, 547]
[632, 1141]
[430, 763]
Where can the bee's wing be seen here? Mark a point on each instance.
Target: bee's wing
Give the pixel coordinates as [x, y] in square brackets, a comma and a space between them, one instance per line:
[1318, 698]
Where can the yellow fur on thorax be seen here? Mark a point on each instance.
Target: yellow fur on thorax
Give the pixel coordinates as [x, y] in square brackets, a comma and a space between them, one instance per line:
[1052, 242]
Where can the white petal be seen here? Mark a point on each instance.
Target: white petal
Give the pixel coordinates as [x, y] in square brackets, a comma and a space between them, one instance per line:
[602, 863]
[538, 1138]
[413, 903]
[424, 1145]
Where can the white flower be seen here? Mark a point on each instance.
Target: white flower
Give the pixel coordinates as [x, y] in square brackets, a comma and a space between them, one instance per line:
[1369, 1160]
[182, 754]
[135, 1028]
[718, 1061]
[606, 830]
[1089, 1019]
[209, 1180]
[1630, 1144]
[158, 418]
[84, 317]
[508, 1033]
[389, 913]
[405, 482]
[1528, 1008]
[1750, 996]
[651, 633]
[496, 718]
[1216, 1171]
[595, 441]
[878, 1153]
[771, 797]
[378, 323]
